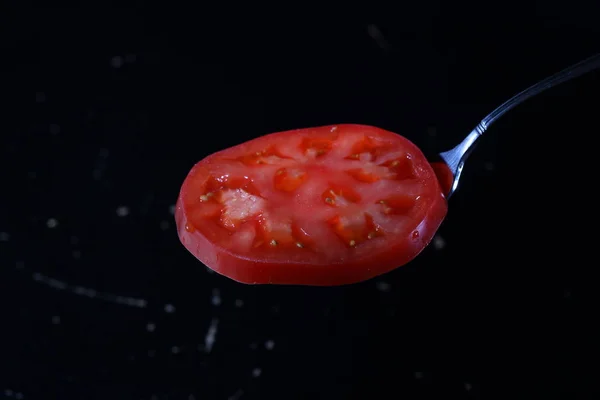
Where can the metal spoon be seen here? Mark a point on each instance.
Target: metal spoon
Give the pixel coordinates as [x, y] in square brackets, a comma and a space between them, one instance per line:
[455, 158]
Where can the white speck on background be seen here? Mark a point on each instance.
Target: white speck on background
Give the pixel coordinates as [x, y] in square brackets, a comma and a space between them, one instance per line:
[122, 211]
[52, 223]
[76, 254]
[40, 97]
[172, 209]
[54, 129]
[32, 174]
[150, 327]
[164, 225]
[269, 345]
[419, 375]
[8, 393]
[383, 286]
[211, 335]
[169, 308]
[438, 242]
[216, 297]
[239, 303]
[116, 62]
[56, 320]
[4, 236]
[151, 353]
[468, 386]
[191, 397]
[256, 372]
[489, 166]
[175, 350]
[19, 395]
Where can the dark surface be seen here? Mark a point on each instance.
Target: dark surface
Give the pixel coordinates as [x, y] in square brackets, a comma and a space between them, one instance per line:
[105, 110]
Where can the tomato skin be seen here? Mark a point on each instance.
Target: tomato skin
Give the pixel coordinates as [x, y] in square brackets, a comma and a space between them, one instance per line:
[249, 271]
[445, 176]
[245, 268]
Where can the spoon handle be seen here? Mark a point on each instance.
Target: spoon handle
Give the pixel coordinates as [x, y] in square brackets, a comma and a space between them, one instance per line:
[456, 157]
[566, 74]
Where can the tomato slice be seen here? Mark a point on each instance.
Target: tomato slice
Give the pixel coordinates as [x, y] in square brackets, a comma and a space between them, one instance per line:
[321, 206]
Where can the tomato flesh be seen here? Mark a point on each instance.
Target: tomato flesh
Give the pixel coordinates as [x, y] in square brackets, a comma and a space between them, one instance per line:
[320, 206]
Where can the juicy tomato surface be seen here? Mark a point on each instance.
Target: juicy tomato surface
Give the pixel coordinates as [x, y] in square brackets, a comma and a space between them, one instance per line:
[321, 206]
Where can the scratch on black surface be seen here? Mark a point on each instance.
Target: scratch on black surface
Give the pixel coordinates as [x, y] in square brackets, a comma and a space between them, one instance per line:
[88, 292]
[11, 393]
[237, 395]
[376, 34]
[211, 335]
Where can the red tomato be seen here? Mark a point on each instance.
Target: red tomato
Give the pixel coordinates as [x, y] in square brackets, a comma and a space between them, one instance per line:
[319, 206]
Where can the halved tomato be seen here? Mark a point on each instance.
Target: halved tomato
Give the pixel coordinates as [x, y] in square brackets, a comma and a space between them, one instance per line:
[319, 206]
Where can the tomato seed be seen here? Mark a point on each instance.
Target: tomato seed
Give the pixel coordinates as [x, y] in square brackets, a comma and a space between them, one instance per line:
[300, 245]
[329, 200]
[273, 242]
[189, 228]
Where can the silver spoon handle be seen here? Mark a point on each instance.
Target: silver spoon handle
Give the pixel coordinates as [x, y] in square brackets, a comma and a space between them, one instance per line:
[456, 157]
[566, 74]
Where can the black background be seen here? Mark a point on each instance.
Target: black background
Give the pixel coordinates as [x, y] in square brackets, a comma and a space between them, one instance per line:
[110, 108]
